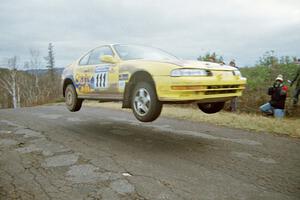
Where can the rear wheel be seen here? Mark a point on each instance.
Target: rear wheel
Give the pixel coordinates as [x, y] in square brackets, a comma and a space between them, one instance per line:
[144, 102]
[211, 108]
[71, 99]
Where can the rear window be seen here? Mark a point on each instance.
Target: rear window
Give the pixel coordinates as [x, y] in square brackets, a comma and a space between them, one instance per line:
[84, 60]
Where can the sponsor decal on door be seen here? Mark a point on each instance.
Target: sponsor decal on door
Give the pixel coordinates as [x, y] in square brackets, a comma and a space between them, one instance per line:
[101, 80]
[101, 77]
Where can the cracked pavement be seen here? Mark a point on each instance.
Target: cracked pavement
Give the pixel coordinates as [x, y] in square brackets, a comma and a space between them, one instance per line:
[47, 152]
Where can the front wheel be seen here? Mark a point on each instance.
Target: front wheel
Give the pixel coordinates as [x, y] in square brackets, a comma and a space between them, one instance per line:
[72, 101]
[144, 102]
[211, 108]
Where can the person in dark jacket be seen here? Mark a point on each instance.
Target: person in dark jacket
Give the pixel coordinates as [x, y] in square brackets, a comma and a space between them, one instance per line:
[232, 63]
[278, 95]
[296, 80]
[234, 101]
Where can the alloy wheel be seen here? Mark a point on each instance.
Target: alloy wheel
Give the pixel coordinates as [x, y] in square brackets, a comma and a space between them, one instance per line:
[142, 101]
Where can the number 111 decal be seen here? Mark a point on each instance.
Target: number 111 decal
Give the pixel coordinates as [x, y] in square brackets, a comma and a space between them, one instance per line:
[101, 80]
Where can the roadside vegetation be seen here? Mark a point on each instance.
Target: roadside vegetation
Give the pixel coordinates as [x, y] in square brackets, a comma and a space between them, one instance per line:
[29, 83]
[262, 76]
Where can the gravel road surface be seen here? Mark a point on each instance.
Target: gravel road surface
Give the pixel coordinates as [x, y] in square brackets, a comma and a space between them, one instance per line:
[47, 152]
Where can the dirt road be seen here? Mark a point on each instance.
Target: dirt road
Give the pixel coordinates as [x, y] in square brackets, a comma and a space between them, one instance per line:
[47, 152]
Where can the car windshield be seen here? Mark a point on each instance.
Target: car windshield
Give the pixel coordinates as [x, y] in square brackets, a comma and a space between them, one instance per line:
[134, 52]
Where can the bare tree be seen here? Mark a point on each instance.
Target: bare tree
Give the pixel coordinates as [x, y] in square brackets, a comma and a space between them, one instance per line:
[9, 82]
[35, 64]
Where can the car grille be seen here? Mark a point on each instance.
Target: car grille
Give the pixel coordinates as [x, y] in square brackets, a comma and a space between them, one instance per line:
[221, 89]
[220, 92]
[222, 86]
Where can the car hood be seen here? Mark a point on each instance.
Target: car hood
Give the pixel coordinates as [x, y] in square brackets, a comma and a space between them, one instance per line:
[187, 64]
[200, 65]
[164, 68]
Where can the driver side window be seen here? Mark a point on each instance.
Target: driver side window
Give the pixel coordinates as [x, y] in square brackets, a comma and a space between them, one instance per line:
[97, 53]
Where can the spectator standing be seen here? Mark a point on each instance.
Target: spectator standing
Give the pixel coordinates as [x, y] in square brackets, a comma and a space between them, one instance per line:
[296, 80]
[232, 63]
[278, 95]
[234, 101]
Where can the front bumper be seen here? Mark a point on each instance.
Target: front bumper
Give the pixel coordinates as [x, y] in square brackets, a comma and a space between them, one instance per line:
[200, 89]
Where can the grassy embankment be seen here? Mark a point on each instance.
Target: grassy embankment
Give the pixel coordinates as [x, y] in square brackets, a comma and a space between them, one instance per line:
[259, 79]
[252, 122]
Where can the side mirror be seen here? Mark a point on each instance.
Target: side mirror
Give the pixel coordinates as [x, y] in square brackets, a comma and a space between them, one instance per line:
[108, 59]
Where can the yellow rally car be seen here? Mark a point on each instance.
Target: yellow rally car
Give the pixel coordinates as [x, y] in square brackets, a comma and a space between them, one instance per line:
[145, 78]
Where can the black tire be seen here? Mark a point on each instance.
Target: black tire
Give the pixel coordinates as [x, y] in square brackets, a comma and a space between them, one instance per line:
[211, 108]
[71, 99]
[149, 101]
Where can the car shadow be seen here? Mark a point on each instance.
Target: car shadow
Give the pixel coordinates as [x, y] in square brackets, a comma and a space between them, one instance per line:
[145, 138]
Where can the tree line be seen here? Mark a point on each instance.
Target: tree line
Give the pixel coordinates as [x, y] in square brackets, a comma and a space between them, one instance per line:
[21, 88]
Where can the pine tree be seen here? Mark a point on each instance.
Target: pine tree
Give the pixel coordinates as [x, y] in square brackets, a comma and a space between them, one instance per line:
[50, 60]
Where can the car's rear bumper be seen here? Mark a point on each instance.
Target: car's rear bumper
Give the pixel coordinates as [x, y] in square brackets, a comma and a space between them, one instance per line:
[201, 89]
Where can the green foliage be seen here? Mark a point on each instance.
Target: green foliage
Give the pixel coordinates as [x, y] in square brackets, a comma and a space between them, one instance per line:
[260, 78]
[211, 57]
[263, 76]
[268, 59]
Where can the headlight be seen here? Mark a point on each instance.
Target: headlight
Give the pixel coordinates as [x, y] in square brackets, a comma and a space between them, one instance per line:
[189, 72]
[237, 73]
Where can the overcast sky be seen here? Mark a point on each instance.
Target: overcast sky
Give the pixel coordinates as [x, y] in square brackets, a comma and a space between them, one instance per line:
[239, 29]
